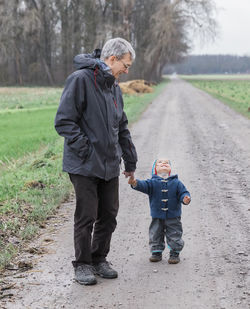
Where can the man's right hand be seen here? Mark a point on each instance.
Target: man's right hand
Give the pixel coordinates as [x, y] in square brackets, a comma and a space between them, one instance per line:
[127, 174]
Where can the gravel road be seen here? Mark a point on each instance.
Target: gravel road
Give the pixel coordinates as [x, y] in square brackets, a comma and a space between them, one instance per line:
[209, 148]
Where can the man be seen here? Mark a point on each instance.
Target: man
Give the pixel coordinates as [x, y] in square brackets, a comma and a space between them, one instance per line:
[92, 121]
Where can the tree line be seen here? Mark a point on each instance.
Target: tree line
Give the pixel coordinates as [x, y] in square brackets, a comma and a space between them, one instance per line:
[211, 64]
[39, 38]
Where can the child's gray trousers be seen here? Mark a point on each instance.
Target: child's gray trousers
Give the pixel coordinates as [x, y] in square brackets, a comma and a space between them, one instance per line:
[169, 228]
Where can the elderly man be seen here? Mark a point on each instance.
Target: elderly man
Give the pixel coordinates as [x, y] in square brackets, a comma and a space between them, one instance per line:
[92, 121]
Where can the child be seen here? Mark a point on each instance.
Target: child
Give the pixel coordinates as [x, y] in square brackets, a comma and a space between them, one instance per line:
[166, 193]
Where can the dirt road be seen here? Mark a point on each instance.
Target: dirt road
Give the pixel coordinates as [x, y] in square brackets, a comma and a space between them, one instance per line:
[209, 146]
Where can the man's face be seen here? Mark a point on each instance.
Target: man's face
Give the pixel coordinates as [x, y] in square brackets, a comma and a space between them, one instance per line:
[117, 66]
[163, 166]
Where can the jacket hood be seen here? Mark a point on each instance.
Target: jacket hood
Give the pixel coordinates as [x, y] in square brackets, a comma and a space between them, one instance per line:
[92, 61]
[154, 172]
[83, 61]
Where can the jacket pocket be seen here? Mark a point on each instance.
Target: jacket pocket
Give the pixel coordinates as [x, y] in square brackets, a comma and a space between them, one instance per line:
[80, 146]
[89, 153]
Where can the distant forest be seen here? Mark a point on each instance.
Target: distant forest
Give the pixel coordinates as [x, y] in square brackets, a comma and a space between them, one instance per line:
[211, 64]
[38, 38]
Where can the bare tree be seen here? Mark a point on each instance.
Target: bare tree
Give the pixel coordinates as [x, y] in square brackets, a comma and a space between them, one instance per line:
[11, 38]
[40, 40]
[40, 22]
[163, 32]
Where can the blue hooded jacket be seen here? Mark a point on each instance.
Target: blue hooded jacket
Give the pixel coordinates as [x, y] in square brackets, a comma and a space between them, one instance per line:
[165, 195]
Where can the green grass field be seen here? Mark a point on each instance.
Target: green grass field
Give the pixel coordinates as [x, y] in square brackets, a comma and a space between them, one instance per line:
[28, 97]
[26, 120]
[32, 184]
[25, 131]
[233, 90]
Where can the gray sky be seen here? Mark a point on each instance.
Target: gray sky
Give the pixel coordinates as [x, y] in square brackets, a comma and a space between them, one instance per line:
[233, 18]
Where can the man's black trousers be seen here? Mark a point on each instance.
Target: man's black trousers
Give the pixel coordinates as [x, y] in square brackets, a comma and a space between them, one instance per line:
[97, 203]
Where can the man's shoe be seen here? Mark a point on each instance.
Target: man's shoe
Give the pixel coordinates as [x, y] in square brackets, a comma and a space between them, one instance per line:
[104, 270]
[174, 258]
[84, 274]
[156, 257]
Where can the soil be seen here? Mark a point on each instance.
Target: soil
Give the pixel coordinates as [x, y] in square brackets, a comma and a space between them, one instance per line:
[209, 148]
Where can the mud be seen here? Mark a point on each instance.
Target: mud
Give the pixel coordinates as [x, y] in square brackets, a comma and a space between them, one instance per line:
[209, 148]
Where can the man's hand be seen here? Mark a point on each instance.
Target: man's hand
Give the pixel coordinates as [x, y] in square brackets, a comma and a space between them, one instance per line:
[132, 181]
[186, 199]
[127, 174]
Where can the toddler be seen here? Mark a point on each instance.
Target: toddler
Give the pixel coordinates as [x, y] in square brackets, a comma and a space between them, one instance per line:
[166, 194]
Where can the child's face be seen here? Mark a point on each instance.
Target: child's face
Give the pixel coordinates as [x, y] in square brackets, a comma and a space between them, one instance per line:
[162, 166]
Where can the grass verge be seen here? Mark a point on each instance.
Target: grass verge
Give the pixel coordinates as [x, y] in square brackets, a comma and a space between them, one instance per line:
[234, 93]
[135, 105]
[33, 186]
[31, 190]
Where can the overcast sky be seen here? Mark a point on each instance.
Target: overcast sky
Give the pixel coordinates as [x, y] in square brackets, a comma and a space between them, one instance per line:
[233, 18]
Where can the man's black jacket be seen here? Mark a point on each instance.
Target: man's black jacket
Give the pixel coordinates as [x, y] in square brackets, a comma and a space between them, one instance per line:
[91, 119]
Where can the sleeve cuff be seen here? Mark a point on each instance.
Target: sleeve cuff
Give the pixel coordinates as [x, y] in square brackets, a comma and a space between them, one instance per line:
[130, 166]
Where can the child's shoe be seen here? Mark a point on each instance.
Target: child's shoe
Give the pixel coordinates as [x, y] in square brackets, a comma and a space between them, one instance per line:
[173, 257]
[156, 257]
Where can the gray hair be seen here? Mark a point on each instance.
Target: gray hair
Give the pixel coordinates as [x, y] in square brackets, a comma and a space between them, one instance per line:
[117, 47]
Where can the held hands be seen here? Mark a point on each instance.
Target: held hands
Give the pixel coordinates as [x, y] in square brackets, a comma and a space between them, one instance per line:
[131, 174]
[186, 200]
[132, 181]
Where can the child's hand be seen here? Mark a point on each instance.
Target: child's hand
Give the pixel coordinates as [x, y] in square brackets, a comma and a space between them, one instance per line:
[186, 199]
[132, 181]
